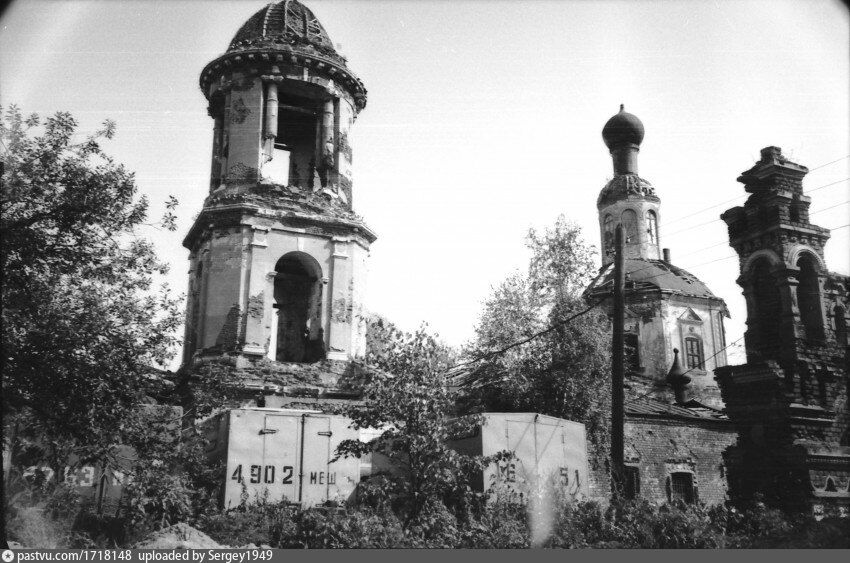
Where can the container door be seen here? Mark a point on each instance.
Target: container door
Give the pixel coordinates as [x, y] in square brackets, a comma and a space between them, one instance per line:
[281, 451]
[318, 477]
[262, 459]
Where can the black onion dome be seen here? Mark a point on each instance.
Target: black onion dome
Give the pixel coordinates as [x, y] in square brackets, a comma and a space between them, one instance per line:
[623, 128]
[286, 22]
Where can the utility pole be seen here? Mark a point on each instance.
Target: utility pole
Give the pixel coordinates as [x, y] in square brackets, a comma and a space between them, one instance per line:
[617, 367]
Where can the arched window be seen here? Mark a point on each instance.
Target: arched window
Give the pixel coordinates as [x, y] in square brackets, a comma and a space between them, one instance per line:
[630, 226]
[298, 301]
[765, 293]
[808, 298]
[652, 227]
[608, 232]
[693, 352]
[840, 325]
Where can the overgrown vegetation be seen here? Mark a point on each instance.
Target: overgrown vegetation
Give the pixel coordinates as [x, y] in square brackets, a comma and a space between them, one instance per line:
[85, 326]
[564, 372]
[506, 526]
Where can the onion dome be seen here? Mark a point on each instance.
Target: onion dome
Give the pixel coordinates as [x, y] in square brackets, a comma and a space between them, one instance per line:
[622, 129]
[678, 378]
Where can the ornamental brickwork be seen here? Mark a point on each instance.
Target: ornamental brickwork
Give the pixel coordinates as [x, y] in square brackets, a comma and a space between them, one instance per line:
[789, 401]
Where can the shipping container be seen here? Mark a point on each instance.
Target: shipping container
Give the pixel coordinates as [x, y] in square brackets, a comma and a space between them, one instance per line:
[546, 452]
[282, 455]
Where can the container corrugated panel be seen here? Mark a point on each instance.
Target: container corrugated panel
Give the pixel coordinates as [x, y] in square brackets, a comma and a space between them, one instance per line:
[276, 455]
[547, 451]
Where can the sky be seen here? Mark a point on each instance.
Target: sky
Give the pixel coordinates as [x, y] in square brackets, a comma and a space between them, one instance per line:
[483, 120]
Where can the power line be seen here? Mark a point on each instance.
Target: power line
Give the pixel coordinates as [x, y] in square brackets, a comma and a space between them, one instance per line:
[547, 330]
[735, 343]
[730, 200]
[828, 163]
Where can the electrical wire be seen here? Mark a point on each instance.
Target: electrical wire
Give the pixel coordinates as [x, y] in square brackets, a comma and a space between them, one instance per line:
[547, 330]
[735, 343]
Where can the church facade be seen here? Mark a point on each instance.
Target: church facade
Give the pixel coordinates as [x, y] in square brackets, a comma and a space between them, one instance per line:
[675, 430]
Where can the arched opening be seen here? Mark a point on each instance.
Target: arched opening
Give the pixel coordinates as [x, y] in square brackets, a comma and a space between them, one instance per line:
[840, 325]
[298, 304]
[768, 306]
[630, 226]
[652, 227]
[808, 298]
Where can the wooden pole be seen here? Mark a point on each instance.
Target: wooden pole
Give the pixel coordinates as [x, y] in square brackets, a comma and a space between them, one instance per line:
[617, 366]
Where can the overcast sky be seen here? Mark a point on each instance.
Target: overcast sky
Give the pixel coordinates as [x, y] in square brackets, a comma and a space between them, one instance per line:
[483, 119]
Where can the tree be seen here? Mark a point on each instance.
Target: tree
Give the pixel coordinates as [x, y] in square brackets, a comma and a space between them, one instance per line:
[408, 400]
[564, 372]
[84, 324]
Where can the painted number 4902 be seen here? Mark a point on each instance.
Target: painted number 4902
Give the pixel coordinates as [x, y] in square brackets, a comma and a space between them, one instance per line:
[264, 474]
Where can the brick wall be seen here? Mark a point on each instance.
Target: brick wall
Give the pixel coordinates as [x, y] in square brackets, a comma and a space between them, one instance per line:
[658, 447]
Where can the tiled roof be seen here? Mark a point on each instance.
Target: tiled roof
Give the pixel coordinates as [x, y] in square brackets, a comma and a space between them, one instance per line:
[692, 409]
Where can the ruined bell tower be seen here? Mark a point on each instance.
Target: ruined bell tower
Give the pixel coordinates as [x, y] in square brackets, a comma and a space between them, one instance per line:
[789, 402]
[277, 254]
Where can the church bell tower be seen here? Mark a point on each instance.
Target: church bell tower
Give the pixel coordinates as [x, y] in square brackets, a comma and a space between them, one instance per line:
[277, 255]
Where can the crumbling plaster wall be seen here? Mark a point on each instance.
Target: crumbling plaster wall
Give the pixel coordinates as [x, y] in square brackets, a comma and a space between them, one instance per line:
[662, 325]
[641, 246]
[244, 128]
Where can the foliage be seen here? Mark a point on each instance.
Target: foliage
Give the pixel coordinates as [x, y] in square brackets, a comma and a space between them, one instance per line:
[408, 401]
[564, 372]
[81, 324]
[504, 525]
[84, 322]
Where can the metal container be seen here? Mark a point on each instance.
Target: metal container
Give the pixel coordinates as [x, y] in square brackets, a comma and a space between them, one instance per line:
[282, 455]
[547, 452]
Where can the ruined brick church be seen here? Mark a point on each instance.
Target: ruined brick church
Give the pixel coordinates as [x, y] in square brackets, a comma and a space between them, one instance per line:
[277, 255]
[278, 271]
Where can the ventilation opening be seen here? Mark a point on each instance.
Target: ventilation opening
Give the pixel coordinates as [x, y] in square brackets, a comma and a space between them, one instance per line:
[298, 297]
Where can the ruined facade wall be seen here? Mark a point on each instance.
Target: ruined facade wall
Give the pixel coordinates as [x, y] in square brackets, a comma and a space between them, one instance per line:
[659, 448]
[639, 244]
[662, 325]
[244, 128]
[232, 287]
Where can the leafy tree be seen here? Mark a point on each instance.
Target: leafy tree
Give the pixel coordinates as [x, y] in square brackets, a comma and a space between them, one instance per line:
[83, 322]
[565, 371]
[408, 400]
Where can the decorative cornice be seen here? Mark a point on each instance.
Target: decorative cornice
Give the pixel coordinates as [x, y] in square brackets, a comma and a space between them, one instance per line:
[285, 54]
